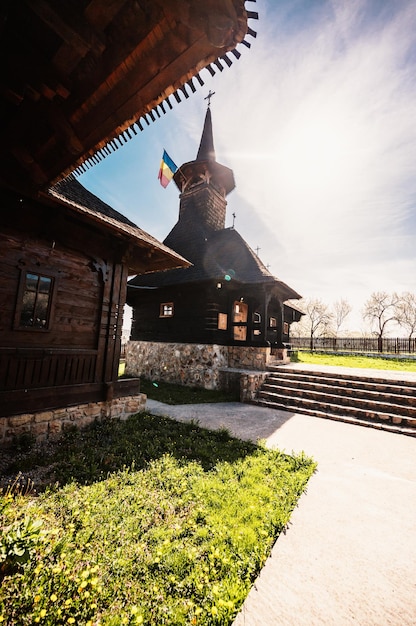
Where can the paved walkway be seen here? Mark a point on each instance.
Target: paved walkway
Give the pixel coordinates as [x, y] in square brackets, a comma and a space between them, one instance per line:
[349, 554]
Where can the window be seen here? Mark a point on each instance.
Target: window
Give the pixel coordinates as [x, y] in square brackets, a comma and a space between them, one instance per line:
[222, 321]
[285, 328]
[256, 318]
[166, 309]
[240, 314]
[272, 322]
[34, 303]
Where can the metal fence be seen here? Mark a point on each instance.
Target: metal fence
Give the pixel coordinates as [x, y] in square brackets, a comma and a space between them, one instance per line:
[390, 345]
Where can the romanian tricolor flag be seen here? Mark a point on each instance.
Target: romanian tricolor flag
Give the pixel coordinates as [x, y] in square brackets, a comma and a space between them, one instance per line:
[167, 169]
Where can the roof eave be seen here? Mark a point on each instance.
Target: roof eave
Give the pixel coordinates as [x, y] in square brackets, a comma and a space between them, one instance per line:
[144, 254]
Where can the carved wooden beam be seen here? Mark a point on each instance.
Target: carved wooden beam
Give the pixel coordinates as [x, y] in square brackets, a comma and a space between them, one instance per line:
[78, 35]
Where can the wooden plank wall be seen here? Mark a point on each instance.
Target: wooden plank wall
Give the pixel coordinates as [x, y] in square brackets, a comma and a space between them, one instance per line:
[77, 294]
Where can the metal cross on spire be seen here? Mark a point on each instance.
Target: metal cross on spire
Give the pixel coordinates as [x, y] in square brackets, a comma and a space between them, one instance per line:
[209, 96]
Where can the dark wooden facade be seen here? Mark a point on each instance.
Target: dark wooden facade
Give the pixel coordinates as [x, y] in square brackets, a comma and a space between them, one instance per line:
[227, 296]
[63, 288]
[236, 314]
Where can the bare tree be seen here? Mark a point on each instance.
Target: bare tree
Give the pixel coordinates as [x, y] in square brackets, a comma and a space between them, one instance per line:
[300, 329]
[319, 318]
[405, 311]
[342, 309]
[380, 310]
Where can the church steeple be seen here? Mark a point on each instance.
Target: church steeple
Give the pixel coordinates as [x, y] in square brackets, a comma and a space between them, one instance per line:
[206, 150]
[204, 184]
[205, 167]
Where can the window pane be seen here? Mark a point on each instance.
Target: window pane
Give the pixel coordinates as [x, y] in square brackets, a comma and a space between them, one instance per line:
[240, 312]
[36, 301]
[32, 282]
[41, 312]
[44, 284]
[222, 321]
[28, 306]
[240, 333]
[166, 309]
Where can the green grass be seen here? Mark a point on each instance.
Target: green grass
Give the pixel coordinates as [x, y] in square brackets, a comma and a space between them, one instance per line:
[176, 536]
[170, 393]
[357, 361]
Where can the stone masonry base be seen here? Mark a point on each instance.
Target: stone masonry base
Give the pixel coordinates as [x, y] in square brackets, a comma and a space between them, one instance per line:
[207, 366]
[49, 424]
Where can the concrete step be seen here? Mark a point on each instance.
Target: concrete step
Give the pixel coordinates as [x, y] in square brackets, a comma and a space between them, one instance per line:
[352, 398]
[343, 379]
[382, 425]
[327, 395]
[381, 393]
[370, 411]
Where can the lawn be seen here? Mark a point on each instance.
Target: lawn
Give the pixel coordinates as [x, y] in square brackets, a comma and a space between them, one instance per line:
[379, 363]
[170, 393]
[148, 521]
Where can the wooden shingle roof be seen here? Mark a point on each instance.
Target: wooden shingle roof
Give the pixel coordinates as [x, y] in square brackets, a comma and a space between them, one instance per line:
[215, 255]
[143, 253]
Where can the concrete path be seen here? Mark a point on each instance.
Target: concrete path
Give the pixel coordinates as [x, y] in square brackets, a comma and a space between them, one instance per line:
[349, 554]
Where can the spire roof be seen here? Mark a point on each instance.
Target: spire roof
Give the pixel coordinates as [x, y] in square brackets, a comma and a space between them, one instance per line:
[205, 160]
[206, 151]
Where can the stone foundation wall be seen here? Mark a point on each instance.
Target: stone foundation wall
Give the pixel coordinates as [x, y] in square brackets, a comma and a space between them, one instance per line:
[232, 368]
[49, 424]
[192, 365]
[245, 383]
[249, 357]
[250, 383]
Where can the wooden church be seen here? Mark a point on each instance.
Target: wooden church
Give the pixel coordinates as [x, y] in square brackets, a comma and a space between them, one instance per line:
[227, 296]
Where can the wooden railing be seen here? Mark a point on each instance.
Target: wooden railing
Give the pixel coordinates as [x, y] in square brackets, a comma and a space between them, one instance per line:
[34, 368]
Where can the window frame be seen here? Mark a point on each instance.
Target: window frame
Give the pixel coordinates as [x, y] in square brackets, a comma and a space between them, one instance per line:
[164, 308]
[17, 325]
[240, 320]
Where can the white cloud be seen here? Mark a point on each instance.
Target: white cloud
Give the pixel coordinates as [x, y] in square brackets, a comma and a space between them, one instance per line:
[322, 141]
[317, 123]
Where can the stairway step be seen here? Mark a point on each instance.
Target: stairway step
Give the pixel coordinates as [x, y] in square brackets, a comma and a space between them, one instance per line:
[394, 428]
[373, 403]
[334, 407]
[368, 400]
[404, 388]
[407, 399]
[342, 373]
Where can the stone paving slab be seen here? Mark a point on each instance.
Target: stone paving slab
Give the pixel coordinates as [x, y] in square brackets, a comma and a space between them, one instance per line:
[349, 554]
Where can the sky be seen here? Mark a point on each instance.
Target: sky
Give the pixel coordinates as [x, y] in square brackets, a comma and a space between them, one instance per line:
[317, 120]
